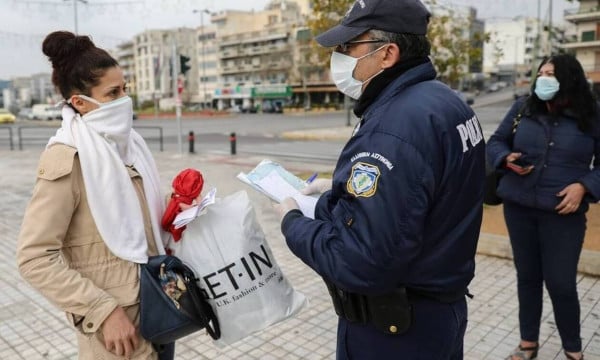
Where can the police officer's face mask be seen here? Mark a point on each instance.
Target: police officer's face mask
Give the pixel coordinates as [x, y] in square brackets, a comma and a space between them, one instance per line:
[342, 70]
[546, 87]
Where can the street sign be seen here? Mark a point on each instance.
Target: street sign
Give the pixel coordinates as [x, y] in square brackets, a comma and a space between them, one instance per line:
[180, 86]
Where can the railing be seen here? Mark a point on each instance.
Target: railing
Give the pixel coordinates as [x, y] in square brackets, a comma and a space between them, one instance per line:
[34, 134]
[141, 129]
[10, 136]
[581, 11]
[37, 134]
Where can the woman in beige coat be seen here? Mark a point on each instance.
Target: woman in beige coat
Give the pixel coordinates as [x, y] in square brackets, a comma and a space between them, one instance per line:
[94, 215]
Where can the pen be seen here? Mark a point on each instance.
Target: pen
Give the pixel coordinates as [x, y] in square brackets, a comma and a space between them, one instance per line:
[312, 178]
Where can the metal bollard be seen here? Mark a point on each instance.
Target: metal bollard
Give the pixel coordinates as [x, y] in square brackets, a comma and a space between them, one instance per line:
[232, 142]
[191, 139]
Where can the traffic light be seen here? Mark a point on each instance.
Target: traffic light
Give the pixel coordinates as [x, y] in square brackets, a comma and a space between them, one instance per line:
[183, 60]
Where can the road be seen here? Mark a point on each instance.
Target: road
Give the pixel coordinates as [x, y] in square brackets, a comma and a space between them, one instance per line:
[257, 133]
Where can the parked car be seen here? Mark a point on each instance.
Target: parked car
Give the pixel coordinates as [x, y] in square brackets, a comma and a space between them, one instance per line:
[521, 91]
[45, 112]
[25, 114]
[466, 97]
[6, 117]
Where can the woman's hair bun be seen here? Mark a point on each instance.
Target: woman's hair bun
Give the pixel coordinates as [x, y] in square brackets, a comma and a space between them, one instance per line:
[61, 45]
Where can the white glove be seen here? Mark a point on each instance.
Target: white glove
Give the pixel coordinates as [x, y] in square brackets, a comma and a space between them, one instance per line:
[287, 205]
[317, 186]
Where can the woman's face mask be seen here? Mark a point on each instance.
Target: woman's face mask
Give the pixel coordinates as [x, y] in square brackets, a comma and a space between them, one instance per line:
[114, 120]
[342, 69]
[546, 87]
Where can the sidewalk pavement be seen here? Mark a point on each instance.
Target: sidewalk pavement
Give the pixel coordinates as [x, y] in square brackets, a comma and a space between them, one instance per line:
[31, 328]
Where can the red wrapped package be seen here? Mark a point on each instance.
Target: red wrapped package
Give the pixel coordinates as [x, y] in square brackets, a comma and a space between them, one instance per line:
[187, 185]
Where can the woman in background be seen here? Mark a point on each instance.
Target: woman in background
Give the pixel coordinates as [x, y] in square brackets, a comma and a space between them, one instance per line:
[552, 159]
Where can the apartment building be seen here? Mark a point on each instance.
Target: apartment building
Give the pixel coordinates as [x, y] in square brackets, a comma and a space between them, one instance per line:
[515, 46]
[155, 73]
[310, 79]
[124, 54]
[256, 56]
[586, 44]
[208, 66]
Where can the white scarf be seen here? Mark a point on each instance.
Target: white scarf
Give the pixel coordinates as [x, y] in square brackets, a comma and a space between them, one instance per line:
[106, 142]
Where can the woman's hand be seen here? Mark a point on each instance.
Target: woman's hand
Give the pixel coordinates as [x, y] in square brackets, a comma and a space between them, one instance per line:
[120, 335]
[195, 202]
[572, 198]
[521, 170]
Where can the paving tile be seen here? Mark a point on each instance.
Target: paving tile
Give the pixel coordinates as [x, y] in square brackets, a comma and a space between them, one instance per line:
[31, 328]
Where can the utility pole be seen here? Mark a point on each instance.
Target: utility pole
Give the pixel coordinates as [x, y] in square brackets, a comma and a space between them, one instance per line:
[75, 12]
[203, 53]
[176, 94]
[550, 25]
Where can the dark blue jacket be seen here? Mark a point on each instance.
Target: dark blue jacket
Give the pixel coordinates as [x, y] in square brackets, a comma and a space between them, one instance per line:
[560, 152]
[406, 204]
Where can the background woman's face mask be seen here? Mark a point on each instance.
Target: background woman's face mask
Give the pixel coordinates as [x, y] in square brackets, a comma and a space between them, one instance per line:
[546, 87]
[342, 69]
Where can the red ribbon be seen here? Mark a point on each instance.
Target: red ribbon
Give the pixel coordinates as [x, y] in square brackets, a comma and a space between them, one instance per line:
[187, 185]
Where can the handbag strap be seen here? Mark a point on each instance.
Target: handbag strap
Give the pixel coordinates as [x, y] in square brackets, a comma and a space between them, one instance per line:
[210, 322]
[517, 118]
[516, 122]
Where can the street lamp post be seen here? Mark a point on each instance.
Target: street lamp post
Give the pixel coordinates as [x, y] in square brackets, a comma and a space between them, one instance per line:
[75, 12]
[202, 55]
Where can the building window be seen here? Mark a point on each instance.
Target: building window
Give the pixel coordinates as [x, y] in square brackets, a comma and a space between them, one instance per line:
[588, 36]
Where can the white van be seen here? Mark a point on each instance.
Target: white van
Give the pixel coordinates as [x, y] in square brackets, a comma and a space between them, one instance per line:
[45, 112]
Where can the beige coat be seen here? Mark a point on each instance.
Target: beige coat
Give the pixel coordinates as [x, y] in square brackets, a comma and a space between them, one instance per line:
[61, 253]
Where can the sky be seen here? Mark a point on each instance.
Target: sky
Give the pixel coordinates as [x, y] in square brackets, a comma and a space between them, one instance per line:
[24, 23]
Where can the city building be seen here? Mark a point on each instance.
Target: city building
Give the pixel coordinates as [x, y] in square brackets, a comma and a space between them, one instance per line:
[24, 91]
[457, 34]
[155, 74]
[208, 65]
[125, 56]
[513, 47]
[517, 46]
[586, 42]
[310, 78]
[256, 56]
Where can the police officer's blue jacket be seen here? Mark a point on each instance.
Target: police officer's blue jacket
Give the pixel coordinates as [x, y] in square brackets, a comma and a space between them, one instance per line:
[405, 207]
[559, 151]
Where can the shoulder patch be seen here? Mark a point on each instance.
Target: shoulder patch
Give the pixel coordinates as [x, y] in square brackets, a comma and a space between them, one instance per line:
[363, 180]
[56, 162]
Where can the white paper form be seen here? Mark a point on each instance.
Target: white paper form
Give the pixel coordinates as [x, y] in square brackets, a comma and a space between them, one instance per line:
[186, 216]
[279, 189]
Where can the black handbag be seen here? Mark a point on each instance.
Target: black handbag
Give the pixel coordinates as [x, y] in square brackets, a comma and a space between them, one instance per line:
[172, 304]
[493, 175]
[492, 178]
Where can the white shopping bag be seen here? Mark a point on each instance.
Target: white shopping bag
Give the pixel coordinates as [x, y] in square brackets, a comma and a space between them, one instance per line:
[226, 248]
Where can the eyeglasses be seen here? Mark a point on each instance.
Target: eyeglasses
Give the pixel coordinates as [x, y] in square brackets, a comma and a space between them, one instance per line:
[345, 46]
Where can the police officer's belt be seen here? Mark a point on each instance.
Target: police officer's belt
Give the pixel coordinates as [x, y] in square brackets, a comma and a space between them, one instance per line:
[390, 313]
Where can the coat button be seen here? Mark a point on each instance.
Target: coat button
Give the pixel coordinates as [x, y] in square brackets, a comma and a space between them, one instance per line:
[393, 329]
[41, 171]
[551, 143]
[89, 325]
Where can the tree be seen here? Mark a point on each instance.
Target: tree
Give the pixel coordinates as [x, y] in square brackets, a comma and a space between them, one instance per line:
[453, 47]
[327, 14]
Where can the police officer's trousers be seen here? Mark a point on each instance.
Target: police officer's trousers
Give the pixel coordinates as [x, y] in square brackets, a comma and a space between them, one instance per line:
[437, 332]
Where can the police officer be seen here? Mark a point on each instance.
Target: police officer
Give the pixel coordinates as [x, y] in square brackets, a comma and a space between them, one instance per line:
[395, 230]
